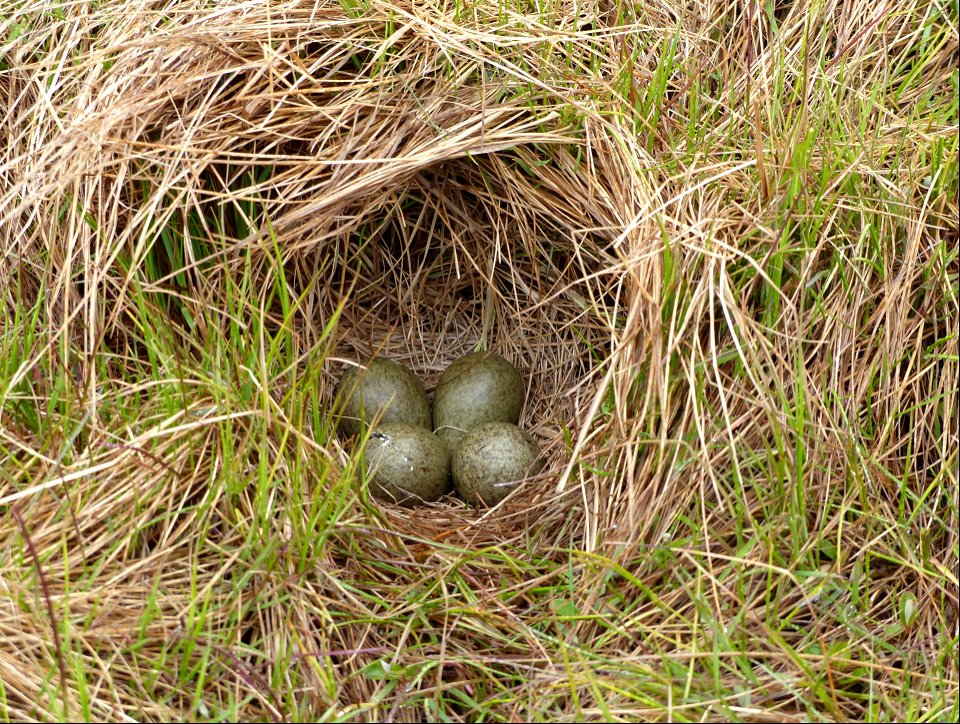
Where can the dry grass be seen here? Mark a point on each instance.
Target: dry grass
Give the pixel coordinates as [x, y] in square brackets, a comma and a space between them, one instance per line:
[719, 239]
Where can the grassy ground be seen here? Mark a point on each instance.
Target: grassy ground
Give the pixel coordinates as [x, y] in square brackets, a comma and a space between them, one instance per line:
[718, 238]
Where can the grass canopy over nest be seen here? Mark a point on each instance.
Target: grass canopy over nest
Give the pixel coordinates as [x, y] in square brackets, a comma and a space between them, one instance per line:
[719, 241]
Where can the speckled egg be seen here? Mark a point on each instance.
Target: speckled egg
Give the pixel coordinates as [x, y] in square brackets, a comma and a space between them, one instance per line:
[385, 388]
[477, 388]
[491, 460]
[407, 464]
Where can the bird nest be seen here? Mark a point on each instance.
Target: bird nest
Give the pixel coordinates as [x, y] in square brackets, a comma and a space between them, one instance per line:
[413, 208]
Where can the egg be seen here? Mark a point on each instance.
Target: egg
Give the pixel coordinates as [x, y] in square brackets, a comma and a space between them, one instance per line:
[406, 464]
[491, 460]
[386, 389]
[477, 388]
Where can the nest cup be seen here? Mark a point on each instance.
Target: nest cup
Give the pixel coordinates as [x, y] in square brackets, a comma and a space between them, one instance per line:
[444, 265]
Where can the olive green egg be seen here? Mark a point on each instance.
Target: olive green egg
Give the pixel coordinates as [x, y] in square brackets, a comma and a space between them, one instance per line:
[385, 388]
[477, 388]
[407, 464]
[490, 461]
